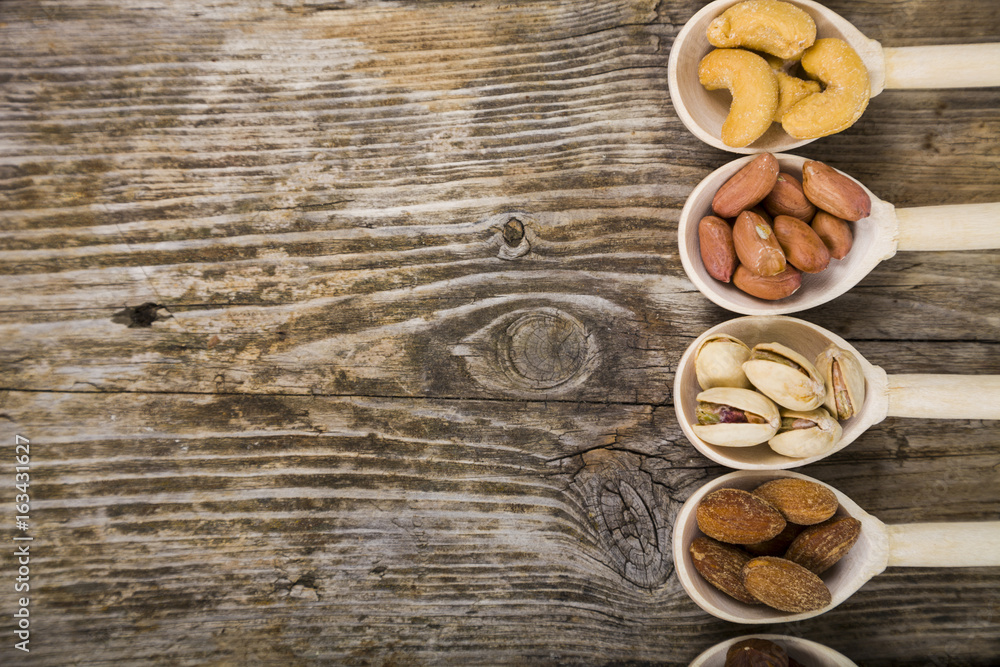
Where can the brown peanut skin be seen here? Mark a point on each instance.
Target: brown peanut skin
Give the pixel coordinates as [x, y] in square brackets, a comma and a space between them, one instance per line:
[803, 247]
[770, 288]
[715, 243]
[788, 198]
[835, 232]
[756, 245]
[747, 187]
[834, 192]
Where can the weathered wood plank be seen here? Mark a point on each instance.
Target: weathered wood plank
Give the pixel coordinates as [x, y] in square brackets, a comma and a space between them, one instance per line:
[352, 422]
[481, 519]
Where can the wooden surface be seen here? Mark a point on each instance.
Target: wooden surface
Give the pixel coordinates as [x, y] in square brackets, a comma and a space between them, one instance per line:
[343, 333]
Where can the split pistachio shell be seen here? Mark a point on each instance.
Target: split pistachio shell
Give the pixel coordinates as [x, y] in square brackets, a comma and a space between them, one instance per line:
[719, 362]
[738, 434]
[809, 433]
[785, 376]
[844, 380]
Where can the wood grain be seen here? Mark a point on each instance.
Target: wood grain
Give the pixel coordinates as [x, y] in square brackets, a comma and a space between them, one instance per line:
[299, 391]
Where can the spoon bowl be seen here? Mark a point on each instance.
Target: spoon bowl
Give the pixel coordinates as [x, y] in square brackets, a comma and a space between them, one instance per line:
[879, 546]
[703, 111]
[876, 238]
[805, 651]
[912, 395]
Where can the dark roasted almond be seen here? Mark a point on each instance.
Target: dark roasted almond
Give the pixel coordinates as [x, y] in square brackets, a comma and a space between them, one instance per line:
[736, 516]
[722, 566]
[784, 585]
[799, 500]
[819, 547]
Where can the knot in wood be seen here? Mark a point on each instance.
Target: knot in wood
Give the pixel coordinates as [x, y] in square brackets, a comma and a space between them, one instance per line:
[633, 515]
[513, 240]
[513, 232]
[139, 316]
[544, 349]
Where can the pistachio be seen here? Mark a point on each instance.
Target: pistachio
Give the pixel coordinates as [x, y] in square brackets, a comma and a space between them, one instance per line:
[785, 376]
[735, 417]
[719, 362]
[844, 381]
[806, 433]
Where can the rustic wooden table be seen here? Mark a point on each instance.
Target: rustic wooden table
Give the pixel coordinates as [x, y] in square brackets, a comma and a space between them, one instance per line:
[343, 333]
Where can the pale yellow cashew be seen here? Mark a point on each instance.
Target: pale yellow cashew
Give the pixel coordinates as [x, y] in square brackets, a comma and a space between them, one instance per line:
[771, 26]
[754, 87]
[845, 97]
[791, 91]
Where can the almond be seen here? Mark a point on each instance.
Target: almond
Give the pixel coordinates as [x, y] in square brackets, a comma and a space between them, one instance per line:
[778, 545]
[835, 232]
[788, 198]
[715, 242]
[799, 500]
[803, 247]
[784, 585]
[818, 547]
[771, 288]
[747, 187]
[756, 245]
[835, 192]
[736, 516]
[722, 566]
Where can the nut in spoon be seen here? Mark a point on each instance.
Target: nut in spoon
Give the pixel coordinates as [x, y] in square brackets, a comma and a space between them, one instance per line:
[904, 395]
[958, 544]
[703, 111]
[805, 651]
[876, 238]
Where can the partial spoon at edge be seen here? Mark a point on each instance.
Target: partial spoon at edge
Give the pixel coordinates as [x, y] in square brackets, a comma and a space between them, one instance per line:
[907, 67]
[932, 544]
[905, 395]
[876, 238]
[805, 651]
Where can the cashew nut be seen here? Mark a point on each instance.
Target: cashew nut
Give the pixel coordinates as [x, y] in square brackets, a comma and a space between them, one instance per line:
[845, 97]
[791, 91]
[754, 87]
[771, 26]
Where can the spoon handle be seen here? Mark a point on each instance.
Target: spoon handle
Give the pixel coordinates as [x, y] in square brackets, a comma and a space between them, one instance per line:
[952, 66]
[944, 396]
[961, 544]
[949, 227]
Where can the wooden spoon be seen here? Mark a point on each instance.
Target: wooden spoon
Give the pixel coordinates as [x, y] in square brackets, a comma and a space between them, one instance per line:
[703, 111]
[806, 652]
[911, 395]
[876, 238]
[959, 544]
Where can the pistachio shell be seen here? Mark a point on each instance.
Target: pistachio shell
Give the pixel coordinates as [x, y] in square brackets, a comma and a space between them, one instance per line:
[812, 441]
[845, 396]
[739, 434]
[796, 385]
[719, 362]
